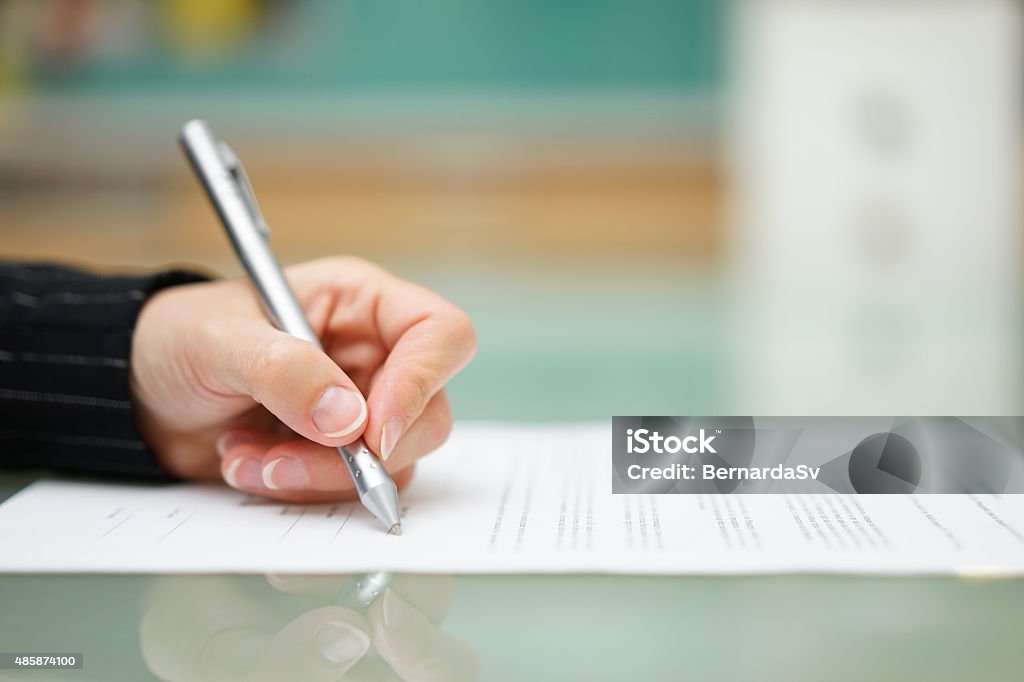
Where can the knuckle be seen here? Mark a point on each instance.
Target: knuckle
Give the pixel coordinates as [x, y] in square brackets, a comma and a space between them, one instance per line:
[420, 388]
[348, 264]
[339, 272]
[211, 344]
[273, 361]
[209, 332]
[439, 423]
[463, 334]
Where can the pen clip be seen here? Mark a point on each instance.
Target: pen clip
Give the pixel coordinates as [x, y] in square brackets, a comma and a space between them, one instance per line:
[237, 171]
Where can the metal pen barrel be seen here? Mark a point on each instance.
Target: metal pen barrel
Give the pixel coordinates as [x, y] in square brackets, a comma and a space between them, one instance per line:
[228, 189]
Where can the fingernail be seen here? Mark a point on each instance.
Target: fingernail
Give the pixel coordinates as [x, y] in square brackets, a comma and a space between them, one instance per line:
[222, 444]
[339, 412]
[340, 642]
[389, 436]
[285, 473]
[283, 580]
[394, 610]
[230, 439]
[244, 474]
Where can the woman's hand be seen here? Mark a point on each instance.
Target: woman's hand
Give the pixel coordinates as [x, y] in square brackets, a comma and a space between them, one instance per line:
[227, 628]
[211, 376]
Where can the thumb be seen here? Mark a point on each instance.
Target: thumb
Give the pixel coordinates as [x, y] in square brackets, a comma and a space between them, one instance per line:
[296, 381]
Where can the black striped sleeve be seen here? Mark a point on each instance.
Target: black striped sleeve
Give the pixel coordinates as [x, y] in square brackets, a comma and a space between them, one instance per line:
[65, 343]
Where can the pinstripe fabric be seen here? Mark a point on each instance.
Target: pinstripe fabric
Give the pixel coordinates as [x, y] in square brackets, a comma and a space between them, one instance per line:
[65, 341]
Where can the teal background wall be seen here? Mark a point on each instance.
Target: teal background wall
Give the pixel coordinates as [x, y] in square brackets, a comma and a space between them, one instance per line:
[464, 44]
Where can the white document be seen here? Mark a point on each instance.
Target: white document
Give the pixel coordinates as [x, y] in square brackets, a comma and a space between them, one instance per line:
[509, 499]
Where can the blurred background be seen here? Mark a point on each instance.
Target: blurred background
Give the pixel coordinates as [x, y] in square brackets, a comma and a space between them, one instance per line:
[675, 207]
[648, 207]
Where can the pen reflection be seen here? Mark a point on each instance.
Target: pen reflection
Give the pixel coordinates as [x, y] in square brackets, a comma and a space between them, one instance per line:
[297, 627]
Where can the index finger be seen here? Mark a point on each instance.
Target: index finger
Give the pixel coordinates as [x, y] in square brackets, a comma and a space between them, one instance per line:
[429, 341]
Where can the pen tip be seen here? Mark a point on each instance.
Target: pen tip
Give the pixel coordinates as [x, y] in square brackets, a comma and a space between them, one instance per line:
[395, 529]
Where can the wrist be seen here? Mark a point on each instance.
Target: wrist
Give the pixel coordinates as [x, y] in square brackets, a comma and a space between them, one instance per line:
[156, 367]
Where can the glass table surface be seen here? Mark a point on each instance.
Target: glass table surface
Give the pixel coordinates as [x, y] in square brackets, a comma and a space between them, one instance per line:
[579, 347]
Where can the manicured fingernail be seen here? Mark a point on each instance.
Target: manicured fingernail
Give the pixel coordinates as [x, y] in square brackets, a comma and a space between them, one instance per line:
[285, 473]
[222, 444]
[244, 474]
[339, 412]
[394, 610]
[340, 642]
[283, 580]
[389, 436]
[230, 439]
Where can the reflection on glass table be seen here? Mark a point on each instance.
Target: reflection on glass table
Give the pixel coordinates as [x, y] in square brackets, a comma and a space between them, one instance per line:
[518, 628]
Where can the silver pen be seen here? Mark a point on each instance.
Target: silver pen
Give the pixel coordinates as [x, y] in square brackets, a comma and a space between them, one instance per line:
[232, 197]
[362, 590]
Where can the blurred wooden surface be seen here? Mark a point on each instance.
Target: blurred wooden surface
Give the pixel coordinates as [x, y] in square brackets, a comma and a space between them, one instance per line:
[532, 201]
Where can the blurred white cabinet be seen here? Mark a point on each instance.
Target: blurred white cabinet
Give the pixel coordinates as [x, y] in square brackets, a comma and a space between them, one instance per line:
[875, 151]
